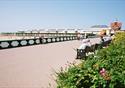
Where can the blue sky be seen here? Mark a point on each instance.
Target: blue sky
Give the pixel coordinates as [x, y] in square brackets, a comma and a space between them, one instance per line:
[38, 14]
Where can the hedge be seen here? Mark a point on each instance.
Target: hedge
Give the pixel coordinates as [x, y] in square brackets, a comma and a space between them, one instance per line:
[105, 69]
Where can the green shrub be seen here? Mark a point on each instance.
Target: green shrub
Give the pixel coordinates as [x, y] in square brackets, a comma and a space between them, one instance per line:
[106, 69]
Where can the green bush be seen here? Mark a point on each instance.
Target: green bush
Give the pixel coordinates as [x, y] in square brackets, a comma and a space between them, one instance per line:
[105, 69]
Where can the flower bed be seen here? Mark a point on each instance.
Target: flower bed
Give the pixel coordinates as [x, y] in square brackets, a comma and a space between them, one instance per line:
[105, 69]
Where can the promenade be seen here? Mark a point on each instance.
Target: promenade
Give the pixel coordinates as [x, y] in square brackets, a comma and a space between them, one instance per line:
[34, 66]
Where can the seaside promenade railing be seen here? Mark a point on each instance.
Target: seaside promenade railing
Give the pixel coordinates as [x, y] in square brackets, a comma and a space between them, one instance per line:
[5, 44]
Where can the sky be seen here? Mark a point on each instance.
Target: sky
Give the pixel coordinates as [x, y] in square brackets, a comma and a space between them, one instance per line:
[17, 15]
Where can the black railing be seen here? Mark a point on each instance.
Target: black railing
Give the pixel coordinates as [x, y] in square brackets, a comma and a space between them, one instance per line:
[28, 42]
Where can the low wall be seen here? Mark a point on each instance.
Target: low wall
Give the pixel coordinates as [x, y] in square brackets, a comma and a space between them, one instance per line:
[28, 42]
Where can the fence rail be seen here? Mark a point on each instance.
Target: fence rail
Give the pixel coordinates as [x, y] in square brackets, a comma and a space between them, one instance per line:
[28, 42]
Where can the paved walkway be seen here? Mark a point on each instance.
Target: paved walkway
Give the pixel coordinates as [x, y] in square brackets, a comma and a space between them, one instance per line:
[33, 66]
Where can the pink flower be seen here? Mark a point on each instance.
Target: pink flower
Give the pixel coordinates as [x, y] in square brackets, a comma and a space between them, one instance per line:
[102, 72]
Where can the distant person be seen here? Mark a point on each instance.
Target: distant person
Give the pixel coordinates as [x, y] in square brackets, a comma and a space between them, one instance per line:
[102, 39]
[85, 36]
[78, 36]
[81, 52]
[85, 43]
[101, 42]
[107, 41]
[107, 38]
[113, 37]
[81, 37]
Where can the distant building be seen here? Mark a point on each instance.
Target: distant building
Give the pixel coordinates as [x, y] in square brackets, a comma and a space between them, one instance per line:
[116, 26]
[99, 26]
[35, 31]
[71, 30]
[61, 30]
[52, 30]
[96, 29]
[28, 31]
[42, 31]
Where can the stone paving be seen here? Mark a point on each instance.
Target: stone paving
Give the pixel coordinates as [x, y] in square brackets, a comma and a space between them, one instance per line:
[34, 66]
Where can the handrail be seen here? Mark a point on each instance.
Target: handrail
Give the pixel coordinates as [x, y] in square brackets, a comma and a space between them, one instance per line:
[5, 44]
